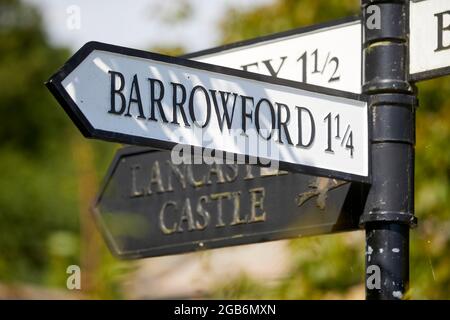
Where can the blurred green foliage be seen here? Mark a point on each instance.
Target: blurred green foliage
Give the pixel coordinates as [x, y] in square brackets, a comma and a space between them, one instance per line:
[30, 129]
[283, 15]
[39, 205]
[331, 266]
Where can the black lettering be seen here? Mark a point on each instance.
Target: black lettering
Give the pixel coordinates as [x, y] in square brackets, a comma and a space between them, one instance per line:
[178, 104]
[245, 67]
[440, 31]
[118, 92]
[136, 99]
[269, 67]
[283, 124]
[244, 112]
[300, 128]
[156, 100]
[224, 96]
[191, 106]
[272, 117]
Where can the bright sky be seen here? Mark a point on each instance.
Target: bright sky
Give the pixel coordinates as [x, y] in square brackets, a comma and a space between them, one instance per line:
[138, 24]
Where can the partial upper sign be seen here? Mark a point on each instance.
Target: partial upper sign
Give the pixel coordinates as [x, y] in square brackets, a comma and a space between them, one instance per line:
[149, 206]
[328, 55]
[141, 98]
[429, 39]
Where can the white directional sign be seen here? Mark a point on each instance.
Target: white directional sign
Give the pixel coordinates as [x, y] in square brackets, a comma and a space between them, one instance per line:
[136, 97]
[429, 39]
[327, 55]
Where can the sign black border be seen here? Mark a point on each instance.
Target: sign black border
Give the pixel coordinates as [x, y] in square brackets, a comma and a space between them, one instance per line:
[272, 37]
[280, 36]
[430, 74]
[54, 84]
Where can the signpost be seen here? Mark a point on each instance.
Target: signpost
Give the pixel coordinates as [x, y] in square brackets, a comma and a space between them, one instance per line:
[149, 207]
[136, 97]
[389, 209]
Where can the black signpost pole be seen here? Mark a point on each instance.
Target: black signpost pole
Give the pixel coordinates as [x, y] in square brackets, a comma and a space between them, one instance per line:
[389, 211]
